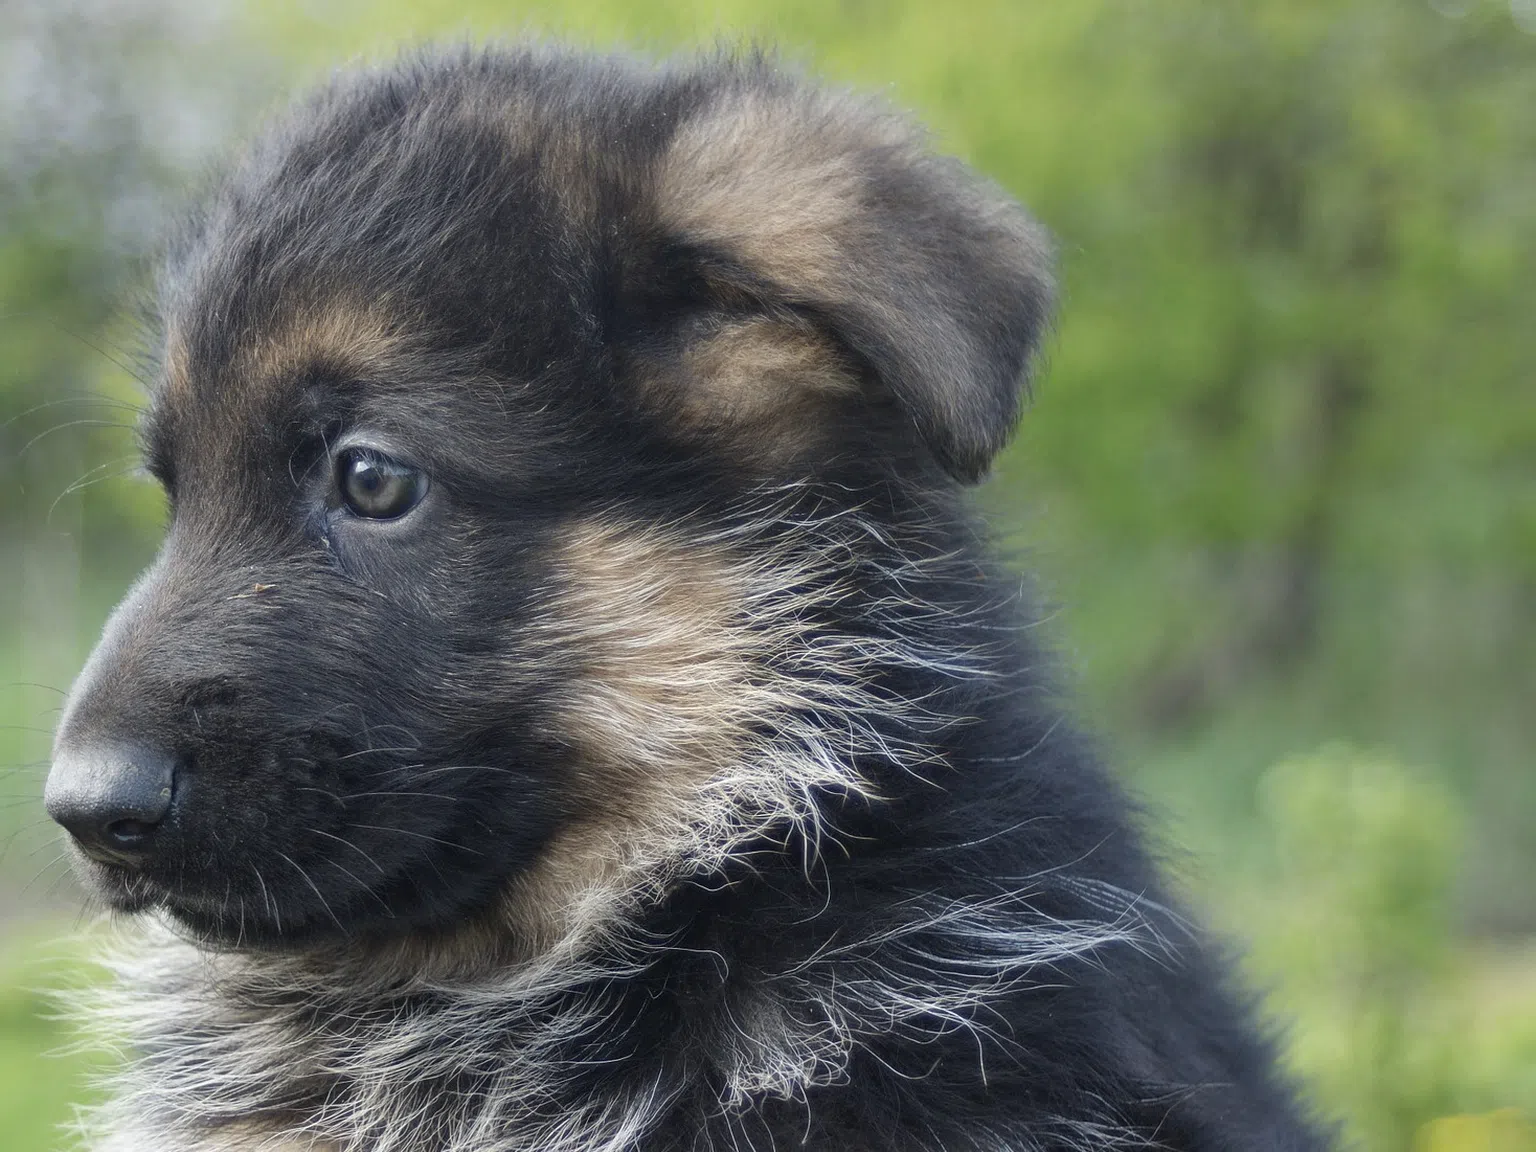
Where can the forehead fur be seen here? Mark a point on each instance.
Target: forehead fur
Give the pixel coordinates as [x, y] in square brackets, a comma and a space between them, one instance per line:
[524, 208]
[458, 191]
[339, 333]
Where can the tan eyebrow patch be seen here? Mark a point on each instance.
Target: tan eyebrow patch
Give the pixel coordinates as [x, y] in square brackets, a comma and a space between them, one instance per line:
[339, 333]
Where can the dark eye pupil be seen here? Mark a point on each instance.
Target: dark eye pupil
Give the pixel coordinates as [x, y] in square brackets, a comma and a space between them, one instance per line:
[374, 486]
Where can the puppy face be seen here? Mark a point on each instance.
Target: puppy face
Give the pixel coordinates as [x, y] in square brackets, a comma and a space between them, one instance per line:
[481, 378]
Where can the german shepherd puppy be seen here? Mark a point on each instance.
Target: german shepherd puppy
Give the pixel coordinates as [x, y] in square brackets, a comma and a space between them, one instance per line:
[573, 708]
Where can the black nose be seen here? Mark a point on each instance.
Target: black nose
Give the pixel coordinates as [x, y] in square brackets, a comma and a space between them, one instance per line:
[111, 797]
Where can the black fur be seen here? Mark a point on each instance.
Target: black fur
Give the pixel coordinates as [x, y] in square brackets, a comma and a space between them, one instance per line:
[475, 262]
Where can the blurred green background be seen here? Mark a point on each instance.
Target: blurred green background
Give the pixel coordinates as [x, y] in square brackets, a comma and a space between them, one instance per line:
[1280, 474]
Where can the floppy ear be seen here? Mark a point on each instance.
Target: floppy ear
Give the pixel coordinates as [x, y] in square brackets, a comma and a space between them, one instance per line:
[936, 280]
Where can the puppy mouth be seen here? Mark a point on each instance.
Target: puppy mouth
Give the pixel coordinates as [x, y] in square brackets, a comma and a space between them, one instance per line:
[217, 915]
[286, 842]
[151, 868]
[120, 887]
[218, 895]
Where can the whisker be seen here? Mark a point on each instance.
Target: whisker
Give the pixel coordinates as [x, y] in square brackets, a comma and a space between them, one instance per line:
[26, 826]
[444, 768]
[33, 684]
[88, 478]
[83, 423]
[313, 887]
[419, 836]
[93, 400]
[421, 795]
[367, 751]
[132, 372]
[266, 898]
[367, 891]
[349, 844]
[38, 875]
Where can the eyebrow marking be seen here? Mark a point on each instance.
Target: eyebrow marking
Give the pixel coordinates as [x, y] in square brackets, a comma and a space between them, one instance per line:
[343, 333]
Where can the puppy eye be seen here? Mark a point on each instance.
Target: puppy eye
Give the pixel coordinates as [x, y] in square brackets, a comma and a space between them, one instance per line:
[374, 486]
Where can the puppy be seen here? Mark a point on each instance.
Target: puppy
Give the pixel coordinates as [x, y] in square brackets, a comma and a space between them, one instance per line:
[573, 708]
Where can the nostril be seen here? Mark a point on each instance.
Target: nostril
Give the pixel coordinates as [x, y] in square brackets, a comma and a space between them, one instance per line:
[111, 796]
[129, 833]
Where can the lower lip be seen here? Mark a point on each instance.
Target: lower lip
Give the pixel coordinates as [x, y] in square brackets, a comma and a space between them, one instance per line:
[123, 888]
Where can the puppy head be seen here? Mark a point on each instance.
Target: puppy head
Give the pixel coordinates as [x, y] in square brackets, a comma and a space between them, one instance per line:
[470, 369]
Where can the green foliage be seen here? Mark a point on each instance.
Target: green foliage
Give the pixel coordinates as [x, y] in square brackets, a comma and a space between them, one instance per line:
[46, 1074]
[1505, 1130]
[1393, 1024]
[1304, 434]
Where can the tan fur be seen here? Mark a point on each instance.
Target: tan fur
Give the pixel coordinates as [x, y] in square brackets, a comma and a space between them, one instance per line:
[763, 385]
[175, 368]
[775, 180]
[750, 371]
[661, 652]
[561, 158]
[653, 710]
[343, 333]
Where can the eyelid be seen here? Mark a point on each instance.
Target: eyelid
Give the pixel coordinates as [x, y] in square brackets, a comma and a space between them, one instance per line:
[377, 446]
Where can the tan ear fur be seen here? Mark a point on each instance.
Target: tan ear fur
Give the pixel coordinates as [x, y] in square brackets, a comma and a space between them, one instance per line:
[937, 280]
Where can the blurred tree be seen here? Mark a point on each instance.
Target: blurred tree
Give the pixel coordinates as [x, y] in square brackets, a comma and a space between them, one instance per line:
[1318, 176]
[104, 110]
[1288, 442]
